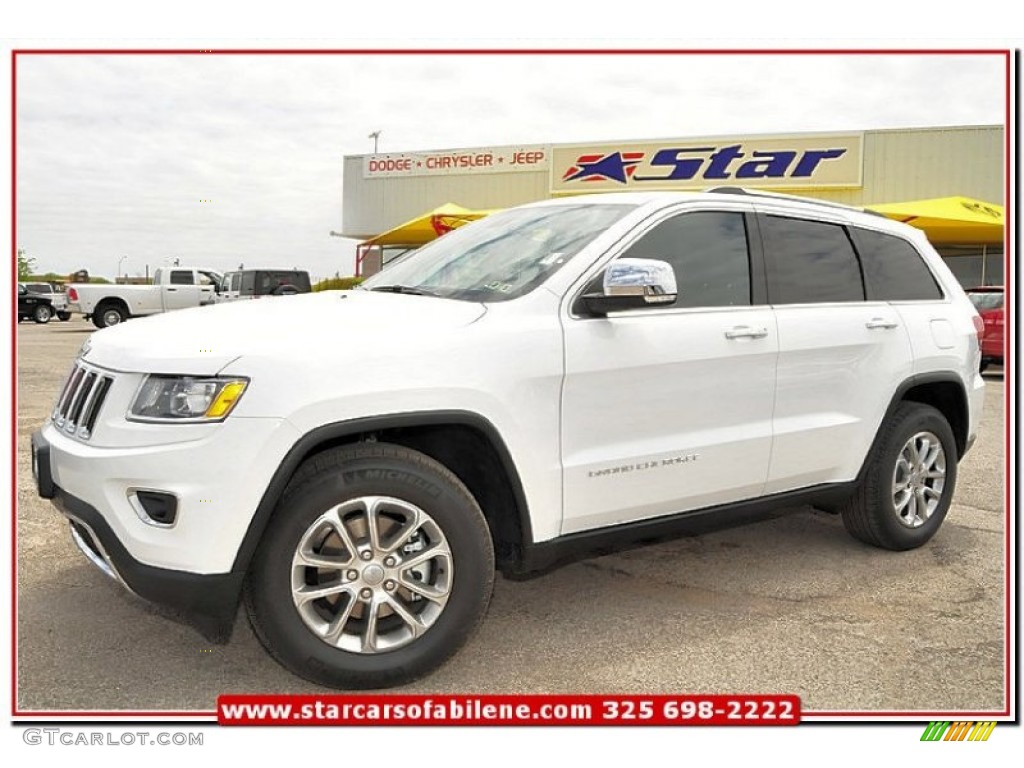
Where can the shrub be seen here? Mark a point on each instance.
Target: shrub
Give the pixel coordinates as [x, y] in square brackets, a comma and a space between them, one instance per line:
[337, 283]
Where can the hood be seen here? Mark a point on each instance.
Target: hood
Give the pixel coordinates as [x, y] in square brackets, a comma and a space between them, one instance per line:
[204, 340]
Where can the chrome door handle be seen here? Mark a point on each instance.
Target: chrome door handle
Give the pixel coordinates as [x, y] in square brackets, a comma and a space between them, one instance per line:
[746, 332]
[879, 322]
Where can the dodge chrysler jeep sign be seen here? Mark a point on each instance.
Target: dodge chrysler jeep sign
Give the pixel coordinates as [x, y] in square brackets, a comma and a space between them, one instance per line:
[458, 161]
[799, 162]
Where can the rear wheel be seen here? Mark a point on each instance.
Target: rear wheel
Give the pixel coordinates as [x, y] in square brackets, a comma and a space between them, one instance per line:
[42, 314]
[107, 315]
[908, 482]
[63, 316]
[376, 567]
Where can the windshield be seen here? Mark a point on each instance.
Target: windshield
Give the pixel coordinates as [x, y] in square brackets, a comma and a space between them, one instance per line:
[501, 257]
[986, 300]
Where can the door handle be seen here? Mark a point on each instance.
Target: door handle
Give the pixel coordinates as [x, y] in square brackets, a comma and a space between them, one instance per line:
[171, 290]
[880, 322]
[746, 332]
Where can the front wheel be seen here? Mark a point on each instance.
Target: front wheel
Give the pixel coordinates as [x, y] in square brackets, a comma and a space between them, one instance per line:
[63, 316]
[376, 568]
[908, 481]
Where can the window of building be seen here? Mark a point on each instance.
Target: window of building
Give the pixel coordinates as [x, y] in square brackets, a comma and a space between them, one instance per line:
[974, 265]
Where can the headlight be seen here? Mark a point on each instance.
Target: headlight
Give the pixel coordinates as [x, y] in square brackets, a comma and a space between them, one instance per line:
[186, 398]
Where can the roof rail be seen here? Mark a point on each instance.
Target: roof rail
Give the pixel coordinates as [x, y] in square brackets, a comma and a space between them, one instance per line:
[794, 198]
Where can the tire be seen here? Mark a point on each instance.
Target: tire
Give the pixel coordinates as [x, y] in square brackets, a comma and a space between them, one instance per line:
[908, 484]
[63, 316]
[318, 536]
[106, 315]
[42, 314]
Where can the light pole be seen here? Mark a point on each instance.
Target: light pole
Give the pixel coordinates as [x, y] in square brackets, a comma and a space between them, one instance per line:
[119, 263]
[375, 135]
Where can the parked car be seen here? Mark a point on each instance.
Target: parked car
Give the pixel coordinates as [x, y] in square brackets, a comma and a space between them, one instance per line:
[257, 283]
[55, 293]
[32, 306]
[988, 300]
[558, 379]
[172, 288]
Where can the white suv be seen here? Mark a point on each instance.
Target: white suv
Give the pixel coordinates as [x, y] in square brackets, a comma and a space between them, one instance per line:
[557, 379]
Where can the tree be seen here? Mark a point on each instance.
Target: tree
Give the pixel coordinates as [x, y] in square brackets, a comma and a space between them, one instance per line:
[25, 265]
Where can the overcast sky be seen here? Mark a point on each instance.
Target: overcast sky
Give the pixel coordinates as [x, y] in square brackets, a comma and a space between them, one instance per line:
[219, 160]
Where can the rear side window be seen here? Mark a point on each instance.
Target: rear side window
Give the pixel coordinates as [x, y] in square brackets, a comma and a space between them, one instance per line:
[268, 281]
[182, 277]
[708, 251]
[893, 269]
[248, 283]
[810, 261]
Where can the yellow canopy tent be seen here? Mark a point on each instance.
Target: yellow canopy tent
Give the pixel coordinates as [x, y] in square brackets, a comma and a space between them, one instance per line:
[427, 227]
[419, 231]
[950, 220]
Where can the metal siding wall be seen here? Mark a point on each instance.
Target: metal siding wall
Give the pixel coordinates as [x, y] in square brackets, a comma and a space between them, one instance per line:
[899, 165]
[932, 162]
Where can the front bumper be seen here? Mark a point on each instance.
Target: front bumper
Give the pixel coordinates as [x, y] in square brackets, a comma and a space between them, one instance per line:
[207, 601]
[217, 474]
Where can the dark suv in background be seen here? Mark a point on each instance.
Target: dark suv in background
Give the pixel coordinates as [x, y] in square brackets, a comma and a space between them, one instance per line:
[32, 306]
[255, 283]
[988, 300]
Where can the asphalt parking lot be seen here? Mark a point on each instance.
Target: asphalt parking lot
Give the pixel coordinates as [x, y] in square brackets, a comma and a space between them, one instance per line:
[792, 605]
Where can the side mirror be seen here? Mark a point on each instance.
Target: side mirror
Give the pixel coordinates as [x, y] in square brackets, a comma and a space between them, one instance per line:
[633, 284]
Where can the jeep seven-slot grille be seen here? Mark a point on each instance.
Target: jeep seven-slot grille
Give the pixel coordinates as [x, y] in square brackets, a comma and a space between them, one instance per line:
[80, 401]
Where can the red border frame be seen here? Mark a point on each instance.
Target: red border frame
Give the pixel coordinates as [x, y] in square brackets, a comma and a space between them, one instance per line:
[177, 715]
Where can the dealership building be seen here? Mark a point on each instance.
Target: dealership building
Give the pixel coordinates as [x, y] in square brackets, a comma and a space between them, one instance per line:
[949, 181]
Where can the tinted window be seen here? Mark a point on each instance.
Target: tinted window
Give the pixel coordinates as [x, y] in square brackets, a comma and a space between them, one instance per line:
[248, 281]
[984, 301]
[181, 277]
[708, 252]
[236, 281]
[893, 269]
[810, 261]
[268, 281]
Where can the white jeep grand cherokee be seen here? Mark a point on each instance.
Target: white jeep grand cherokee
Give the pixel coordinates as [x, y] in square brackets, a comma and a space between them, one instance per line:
[558, 379]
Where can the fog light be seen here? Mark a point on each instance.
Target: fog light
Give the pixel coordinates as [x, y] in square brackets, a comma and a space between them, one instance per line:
[155, 507]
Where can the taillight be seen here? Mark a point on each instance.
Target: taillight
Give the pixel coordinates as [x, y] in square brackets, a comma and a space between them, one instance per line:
[72, 294]
[979, 327]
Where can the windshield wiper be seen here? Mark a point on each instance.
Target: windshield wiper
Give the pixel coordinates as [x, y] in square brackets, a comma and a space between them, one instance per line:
[406, 289]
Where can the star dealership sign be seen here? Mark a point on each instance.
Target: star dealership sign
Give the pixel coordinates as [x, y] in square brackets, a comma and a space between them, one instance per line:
[785, 162]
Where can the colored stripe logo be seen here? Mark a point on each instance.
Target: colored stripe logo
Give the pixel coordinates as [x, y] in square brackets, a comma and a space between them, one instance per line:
[959, 731]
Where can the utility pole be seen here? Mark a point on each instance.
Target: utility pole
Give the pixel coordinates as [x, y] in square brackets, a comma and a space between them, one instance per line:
[375, 136]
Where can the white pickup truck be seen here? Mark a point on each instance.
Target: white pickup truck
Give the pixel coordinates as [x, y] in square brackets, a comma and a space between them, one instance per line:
[172, 288]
